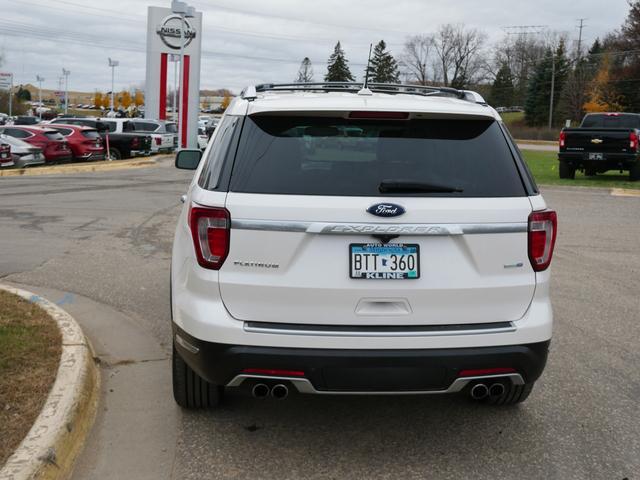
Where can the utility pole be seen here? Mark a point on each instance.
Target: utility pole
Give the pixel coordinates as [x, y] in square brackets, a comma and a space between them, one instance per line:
[553, 82]
[580, 27]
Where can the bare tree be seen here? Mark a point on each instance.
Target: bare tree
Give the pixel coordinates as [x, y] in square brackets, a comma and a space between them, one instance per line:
[305, 73]
[520, 53]
[459, 54]
[416, 58]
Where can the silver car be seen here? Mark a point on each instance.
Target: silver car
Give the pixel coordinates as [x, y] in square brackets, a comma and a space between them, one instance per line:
[23, 153]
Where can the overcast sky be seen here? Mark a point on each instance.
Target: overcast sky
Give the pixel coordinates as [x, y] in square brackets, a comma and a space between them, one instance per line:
[250, 41]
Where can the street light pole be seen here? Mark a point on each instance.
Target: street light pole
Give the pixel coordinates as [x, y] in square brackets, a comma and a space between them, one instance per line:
[40, 80]
[113, 64]
[66, 74]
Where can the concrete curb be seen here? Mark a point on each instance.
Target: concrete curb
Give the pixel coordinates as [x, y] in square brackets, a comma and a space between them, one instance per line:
[58, 434]
[625, 192]
[79, 167]
[539, 142]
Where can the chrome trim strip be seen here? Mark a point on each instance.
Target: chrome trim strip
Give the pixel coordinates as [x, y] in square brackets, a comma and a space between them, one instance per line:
[303, 385]
[421, 229]
[363, 333]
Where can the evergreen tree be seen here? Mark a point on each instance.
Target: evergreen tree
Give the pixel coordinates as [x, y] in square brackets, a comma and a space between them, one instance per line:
[383, 68]
[502, 90]
[539, 90]
[23, 94]
[305, 73]
[337, 67]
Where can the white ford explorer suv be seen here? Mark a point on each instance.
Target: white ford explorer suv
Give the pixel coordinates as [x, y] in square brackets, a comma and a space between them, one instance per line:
[337, 239]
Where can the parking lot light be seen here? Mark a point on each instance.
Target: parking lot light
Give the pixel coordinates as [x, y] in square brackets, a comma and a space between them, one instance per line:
[66, 74]
[113, 64]
[40, 80]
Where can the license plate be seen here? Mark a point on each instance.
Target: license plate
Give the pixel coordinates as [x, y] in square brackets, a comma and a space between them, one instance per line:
[4, 155]
[375, 261]
[98, 145]
[596, 156]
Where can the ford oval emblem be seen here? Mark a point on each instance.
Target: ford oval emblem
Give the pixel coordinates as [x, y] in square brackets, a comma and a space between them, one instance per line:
[386, 210]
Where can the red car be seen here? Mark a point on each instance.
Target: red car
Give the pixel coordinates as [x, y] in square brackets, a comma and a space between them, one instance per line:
[6, 160]
[85, 142]
[53, 145]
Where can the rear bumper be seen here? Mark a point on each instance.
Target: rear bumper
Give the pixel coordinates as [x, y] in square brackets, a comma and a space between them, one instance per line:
[610, 160]
[357, 370]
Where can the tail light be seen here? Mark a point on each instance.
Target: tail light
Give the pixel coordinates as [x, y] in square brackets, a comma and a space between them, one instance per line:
[543, 226]
[158, 141]
[135, 142]
[562, 139]
[633, 141]
[210, 228]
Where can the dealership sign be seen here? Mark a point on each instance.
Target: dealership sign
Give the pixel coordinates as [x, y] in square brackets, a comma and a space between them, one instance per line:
[169, 31]
[6, 80]
[164, 32]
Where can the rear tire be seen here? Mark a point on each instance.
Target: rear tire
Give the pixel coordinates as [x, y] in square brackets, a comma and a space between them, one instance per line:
[512, 395]
[567, 171]
[115, 154]
[634, 172]
[189, 389]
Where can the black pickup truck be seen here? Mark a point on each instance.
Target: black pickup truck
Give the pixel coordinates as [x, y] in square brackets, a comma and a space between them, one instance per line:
[602, 142]
[121, 145]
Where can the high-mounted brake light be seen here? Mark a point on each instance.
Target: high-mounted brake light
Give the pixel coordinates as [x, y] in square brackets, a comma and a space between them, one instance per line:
[210, 232]
[543, 227]
[562, 138]
[633, 141]
[365, 115]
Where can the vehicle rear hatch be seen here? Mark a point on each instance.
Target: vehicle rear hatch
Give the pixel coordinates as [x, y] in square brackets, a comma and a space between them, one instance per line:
[300, 195]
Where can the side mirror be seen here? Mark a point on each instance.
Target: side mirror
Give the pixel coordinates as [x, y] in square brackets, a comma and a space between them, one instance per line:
[188, 159]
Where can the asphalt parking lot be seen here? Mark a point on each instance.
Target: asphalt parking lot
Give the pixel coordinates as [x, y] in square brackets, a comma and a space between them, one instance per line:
[99, 244]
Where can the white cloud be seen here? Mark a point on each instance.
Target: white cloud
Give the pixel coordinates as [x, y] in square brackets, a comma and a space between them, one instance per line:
[256, 41]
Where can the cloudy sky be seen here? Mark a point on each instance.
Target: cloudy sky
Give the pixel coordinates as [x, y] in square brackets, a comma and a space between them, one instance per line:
[250, 41]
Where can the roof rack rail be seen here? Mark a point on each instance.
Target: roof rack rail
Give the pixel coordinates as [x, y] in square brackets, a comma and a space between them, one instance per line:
[391, 88]
[251, 92]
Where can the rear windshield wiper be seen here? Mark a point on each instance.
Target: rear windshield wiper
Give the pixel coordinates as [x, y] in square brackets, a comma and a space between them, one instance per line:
[409, 186]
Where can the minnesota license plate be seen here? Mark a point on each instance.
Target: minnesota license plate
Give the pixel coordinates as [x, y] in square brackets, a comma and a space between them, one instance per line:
[596, 156]
[393, 261]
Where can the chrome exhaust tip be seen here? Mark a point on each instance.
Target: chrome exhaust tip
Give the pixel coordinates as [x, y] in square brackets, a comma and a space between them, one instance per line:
[496, 390]
[280, 391]
[479, 391]
[260, 390]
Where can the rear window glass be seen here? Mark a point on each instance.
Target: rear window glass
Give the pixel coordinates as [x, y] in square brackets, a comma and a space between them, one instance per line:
[171, 128]
[611, 121]
[54, 135]
[337, 156]
[110, 125]
[92, 134]
[64, 131]
[145, 126]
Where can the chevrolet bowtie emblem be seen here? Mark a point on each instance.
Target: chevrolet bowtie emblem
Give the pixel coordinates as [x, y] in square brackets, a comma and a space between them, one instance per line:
[597, 141]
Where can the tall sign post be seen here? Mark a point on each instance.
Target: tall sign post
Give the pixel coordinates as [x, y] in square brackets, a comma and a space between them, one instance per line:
[6, 83]
[170, 33]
